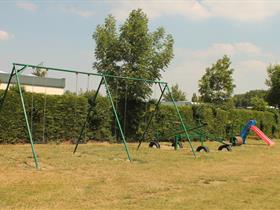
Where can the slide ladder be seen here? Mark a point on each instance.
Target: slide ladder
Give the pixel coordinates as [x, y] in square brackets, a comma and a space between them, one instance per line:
[246, 129]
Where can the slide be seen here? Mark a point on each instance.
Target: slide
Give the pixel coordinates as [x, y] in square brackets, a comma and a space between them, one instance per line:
[267, 140]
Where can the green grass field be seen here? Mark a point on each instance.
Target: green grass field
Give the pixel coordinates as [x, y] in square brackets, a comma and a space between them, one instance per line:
[99, 176]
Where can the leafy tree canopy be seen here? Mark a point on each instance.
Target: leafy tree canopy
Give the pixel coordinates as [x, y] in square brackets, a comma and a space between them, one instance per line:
[131, 50]
[273, 82]
[259, 104]
[245, 100]
[194, 98]
[178, 95]
[216, 85]
[40, 72]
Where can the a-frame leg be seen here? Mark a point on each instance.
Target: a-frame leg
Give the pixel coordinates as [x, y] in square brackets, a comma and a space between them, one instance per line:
[88, 116]
[116, 117]
[2, 99]
[26, 121]
[181, 120]
[151, 117]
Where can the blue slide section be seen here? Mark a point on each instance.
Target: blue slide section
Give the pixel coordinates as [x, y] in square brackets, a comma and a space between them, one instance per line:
[246, 130]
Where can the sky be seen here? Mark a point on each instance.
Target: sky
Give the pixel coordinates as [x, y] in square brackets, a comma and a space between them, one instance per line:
[59, 33]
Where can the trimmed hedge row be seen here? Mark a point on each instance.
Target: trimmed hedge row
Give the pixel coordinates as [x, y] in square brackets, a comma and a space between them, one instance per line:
[53, 117]
[60, 118]
[217, 120]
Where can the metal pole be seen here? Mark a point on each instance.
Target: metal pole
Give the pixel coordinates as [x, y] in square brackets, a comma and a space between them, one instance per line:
[117, 118]
[88, 73]
[88, 116]
[27, 123]
[7, 88]
[150, 120]
[181, 120]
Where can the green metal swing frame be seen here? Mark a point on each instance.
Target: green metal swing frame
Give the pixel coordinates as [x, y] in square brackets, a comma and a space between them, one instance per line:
[18, 69]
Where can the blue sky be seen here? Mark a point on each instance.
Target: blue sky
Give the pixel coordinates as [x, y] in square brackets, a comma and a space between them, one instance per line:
[59, 33]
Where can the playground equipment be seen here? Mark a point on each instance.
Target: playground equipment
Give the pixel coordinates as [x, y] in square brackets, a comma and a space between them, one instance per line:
[175, 137]
[18, 69]
[251, 125]
[195, 133]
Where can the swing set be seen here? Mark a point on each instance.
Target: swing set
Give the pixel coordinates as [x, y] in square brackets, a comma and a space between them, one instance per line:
[19, 68]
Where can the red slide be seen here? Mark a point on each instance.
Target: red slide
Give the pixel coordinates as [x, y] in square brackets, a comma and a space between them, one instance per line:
[267, 140]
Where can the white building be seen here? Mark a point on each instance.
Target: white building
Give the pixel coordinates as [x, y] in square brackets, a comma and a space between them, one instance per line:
[50, 86]
[180, 103]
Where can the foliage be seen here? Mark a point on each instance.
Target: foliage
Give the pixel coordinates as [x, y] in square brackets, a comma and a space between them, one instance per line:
[216, 85]
[60, 118]
[273, 82]
[131, 51]
[194, 97]
[100, 121]
[16, 89]
[51, 118]
[259, 104]
[39, 72]
[245, 100]
[178, 95]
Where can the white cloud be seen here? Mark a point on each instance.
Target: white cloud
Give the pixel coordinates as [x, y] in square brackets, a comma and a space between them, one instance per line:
[245, 11]
[219, 49]
[250, 74]
[252, 65]
[5, 36]
[249, 61]
[154, 9]
[27, 6]
[77, 11]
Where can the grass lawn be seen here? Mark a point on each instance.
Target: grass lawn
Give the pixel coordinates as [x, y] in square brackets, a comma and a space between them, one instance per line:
[99, 176]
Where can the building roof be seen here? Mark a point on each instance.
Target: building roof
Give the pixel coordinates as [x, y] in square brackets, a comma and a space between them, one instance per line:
[35, 81]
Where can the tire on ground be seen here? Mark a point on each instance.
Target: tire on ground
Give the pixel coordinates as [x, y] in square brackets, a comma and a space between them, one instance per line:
[225, 147]
[154, 144]
[202, 148]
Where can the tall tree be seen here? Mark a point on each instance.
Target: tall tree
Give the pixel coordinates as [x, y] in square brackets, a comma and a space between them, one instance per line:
[273, 82]
[178, 95]
[216, 85]
[131, 51]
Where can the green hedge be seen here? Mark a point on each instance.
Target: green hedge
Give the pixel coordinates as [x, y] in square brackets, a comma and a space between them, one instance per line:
[65, 115]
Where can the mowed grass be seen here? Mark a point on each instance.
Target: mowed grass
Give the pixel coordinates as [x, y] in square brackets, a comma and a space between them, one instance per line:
[99, 176]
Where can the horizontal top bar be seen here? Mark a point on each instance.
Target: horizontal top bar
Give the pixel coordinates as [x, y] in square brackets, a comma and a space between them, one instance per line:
[87, 73]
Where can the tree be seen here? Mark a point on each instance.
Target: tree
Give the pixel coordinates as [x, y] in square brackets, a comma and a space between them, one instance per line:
[273, 82]
[259, 104]
[216, 85]
[131, 51]
[178, 95]
[194, 98]
[245, 100]
[39, 72]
